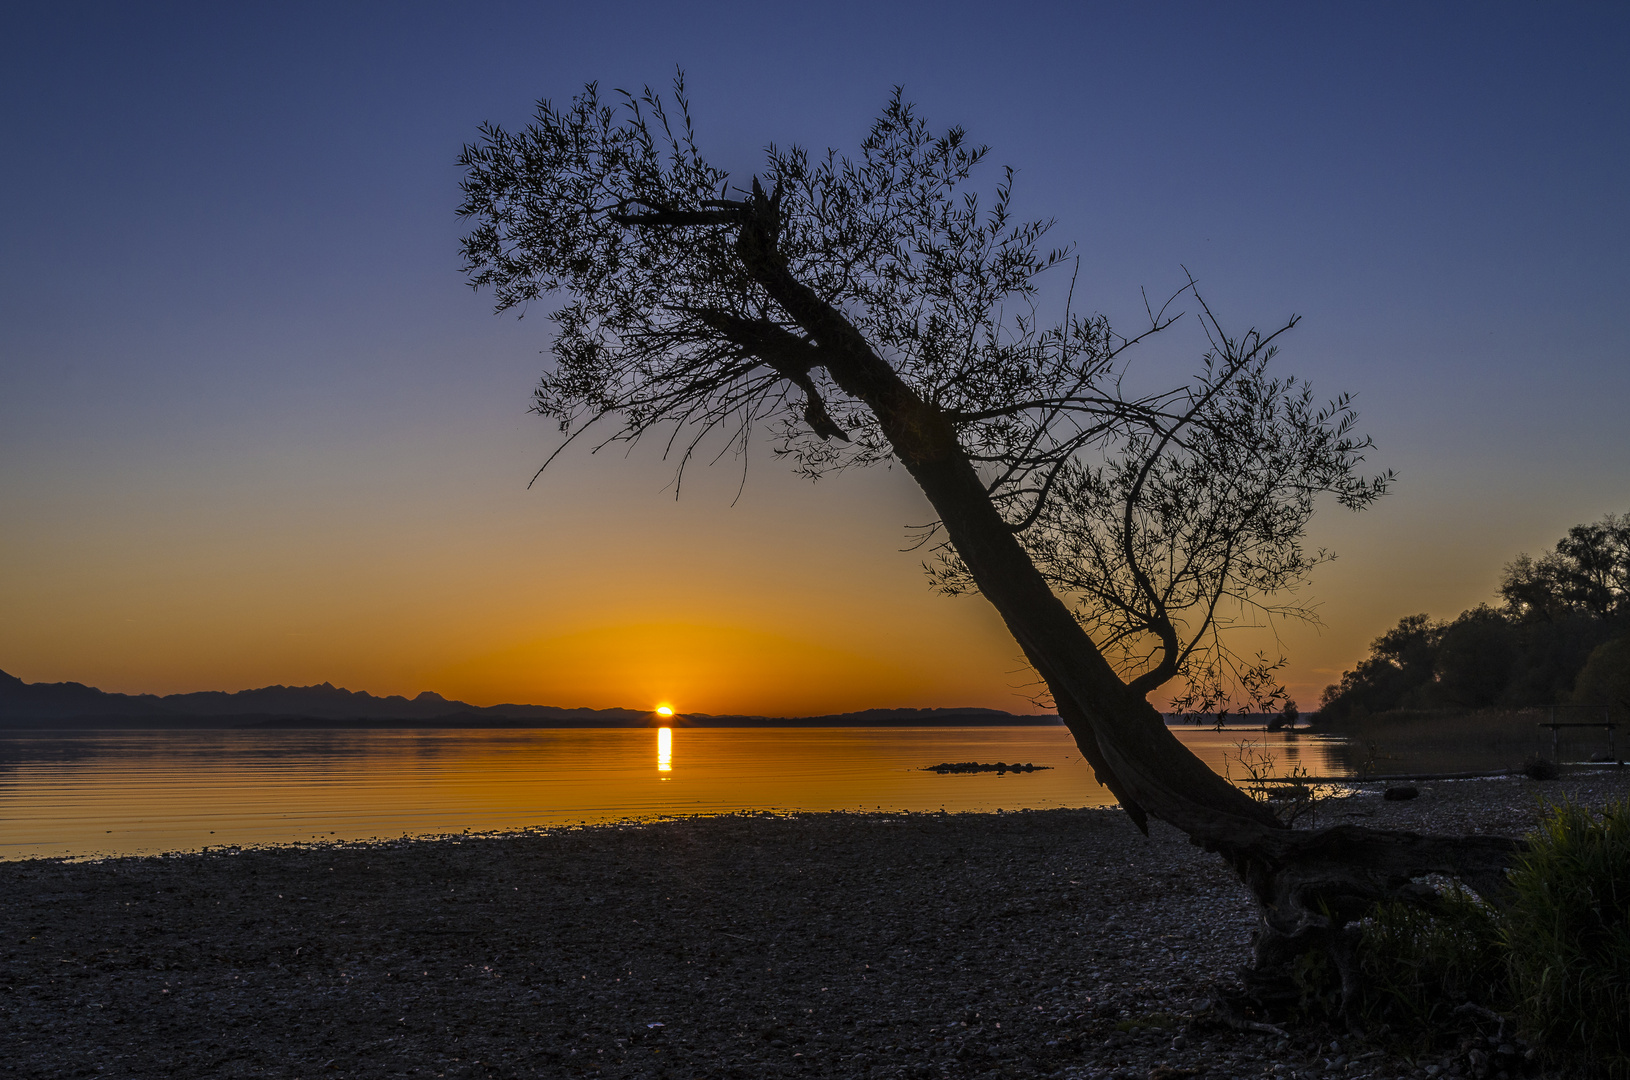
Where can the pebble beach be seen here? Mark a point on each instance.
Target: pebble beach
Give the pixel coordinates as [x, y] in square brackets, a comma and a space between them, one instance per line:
[1055, 943]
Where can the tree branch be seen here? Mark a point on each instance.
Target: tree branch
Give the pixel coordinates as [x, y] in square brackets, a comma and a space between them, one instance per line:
[790, 355]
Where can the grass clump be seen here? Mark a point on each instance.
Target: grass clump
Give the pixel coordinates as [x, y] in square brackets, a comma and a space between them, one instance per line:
[1419, 966]
[1554, 957]
[1567, 934]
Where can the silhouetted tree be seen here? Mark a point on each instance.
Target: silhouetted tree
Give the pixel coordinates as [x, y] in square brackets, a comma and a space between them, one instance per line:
[872, 309]
[1475, 658]
[1587, 573]
[1401, 661]
[1558, 608]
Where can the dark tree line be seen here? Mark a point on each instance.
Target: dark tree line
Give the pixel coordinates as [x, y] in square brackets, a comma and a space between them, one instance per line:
[1558, 635]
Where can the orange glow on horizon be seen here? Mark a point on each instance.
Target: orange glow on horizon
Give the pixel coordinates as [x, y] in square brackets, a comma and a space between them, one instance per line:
[723, 668]
[853, 629]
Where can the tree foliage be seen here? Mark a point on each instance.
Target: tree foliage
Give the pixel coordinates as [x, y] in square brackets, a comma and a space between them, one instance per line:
[1588, 573]
[1164, 516]
[936, 279]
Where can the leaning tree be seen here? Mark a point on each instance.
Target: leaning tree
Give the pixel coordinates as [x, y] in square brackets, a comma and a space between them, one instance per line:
[872, 309]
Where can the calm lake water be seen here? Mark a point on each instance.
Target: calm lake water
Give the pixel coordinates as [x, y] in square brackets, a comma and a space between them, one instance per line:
[131, 792]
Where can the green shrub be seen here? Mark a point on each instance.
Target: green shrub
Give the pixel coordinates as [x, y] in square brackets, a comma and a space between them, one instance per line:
[1556, 958]
[1605, 678]
[1415, 967]
[1567, 934]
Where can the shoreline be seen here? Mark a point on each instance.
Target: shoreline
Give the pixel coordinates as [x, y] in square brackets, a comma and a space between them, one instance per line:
[146, 792]
[1055, 943]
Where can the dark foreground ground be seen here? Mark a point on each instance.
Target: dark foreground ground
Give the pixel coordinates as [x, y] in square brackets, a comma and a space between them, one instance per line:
[1056, 944]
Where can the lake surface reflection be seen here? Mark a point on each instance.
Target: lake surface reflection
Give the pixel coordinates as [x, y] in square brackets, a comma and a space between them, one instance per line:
[129, 792]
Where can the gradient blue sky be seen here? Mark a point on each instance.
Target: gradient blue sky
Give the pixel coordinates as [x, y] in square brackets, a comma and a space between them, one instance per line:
[255, 429]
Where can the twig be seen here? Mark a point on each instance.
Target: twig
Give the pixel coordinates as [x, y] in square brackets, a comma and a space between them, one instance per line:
[1486, 1014]
[1242, 1024]
[1224, 1011]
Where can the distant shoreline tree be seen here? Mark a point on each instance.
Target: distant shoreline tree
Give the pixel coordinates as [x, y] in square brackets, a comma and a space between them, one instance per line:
[1605, 678]
[875, 310]
[1559, 612]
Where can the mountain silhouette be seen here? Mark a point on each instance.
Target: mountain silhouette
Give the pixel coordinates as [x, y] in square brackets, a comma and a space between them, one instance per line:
[75, 705]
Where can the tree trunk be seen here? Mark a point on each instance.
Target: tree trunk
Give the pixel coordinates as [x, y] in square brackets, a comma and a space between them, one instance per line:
[1309, 885]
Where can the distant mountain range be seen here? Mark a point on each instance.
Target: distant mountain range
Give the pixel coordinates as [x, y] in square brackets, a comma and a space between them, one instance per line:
[75, 705]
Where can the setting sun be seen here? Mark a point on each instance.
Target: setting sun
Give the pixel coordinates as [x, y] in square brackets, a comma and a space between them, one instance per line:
[665, 710]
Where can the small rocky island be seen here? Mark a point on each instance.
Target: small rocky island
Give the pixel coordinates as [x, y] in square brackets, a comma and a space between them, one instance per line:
[979, 766]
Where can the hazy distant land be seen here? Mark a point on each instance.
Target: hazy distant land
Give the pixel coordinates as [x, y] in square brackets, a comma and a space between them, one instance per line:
[75, 705]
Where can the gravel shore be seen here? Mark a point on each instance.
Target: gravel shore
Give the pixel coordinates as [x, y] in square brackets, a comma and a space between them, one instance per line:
[1055, 943]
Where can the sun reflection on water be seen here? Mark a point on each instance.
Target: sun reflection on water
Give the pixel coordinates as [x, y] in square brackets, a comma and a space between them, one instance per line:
[111, 792]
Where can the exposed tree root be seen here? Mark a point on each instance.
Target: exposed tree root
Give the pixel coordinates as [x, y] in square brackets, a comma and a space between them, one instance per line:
[1314, 887]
